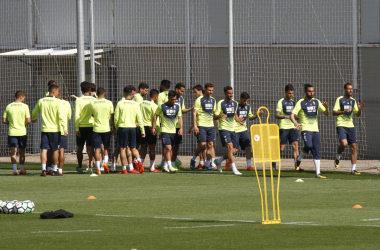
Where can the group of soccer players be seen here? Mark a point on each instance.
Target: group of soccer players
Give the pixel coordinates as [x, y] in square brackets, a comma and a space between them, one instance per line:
[137, 123]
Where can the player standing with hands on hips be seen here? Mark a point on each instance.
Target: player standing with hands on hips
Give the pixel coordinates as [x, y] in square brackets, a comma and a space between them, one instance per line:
[307, 110]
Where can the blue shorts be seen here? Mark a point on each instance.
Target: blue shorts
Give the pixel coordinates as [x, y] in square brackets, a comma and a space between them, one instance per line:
[149, 137]
[312, 142]
[206, 134]
[178, 138]
[50, 140]
[101, 138]
[138, 135]
[17, 141]
[168, 139]
[242, 139]
[126, 137]
[85, 137]
[64, 142]
[348, 134]
[227, 137]
[288, 135]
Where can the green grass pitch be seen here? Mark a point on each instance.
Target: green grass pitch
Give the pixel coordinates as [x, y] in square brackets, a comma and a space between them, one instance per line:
[190, 211]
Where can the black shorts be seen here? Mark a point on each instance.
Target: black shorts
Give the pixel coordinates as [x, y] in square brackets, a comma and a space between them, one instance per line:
[348, 134]
[138, 135]
[227, 137]
[64, 142]
[177, 138]
[288, 135]
[242, 139]
[149, 137]
[50, 140]
[168, 139]
[85, 137]
[206, 134]
[101, 138]
[17, 141]
[126, 137]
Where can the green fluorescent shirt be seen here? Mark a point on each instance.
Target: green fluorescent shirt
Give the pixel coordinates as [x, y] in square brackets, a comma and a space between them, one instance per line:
[285, 107]
[341, 104]
[51, 114]
[83, 116]
[16, 113]
[138, 98]
[205, 111]
[169, 117]
[101, 109]
[228, 108]
[148, 109]
[162, 98]
[66, 115]
[307, 111]
[127, 112]
[246, 113]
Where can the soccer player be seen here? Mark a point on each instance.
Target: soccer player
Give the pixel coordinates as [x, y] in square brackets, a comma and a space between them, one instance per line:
[343, 108]
[64, 140]
[242, 137]
[102, 111]
[288, 133]
[127, 112]
[84, 123]
[148, 109]
[307, 111]
[17, 117]
[49, 160]
[203, 122]
[163, 98]
[51, 82]
[52, 123]
[170, 114]
[180, 90]
[226, 114]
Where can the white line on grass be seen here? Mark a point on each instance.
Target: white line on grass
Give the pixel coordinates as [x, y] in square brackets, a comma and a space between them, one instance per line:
[116, 215]
[245, 221]
[306, 223]
[370, 219]
[73, 231]
[368, 225]
[227, 225]
[172, 218]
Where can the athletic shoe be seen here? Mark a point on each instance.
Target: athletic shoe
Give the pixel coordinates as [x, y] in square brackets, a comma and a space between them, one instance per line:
[155, 171]
[297, 164]
[320, 176]
[99, 172]
[113, 171]
[212, 168]
[124, 172]
[165, 169]
[80, 170]
[50, 172]
[192, 164]
[136, 165]
[141, 167]
[336, 163]
[354, 172]
[133, 171]
[89, 171]
[106, 169]
[200, 166]
[298, 169]
[58, 174]
[227, 166]
[237, 172]
[218, 166]
[22, 171]
[14, 173]
[159, 166]
[178, 164]
[250, 168]
[173, 169]
[43, 173]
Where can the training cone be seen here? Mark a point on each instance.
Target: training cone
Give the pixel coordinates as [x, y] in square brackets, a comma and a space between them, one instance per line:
[357, 206]
[91, 197]
[93, 175]
[299, 180]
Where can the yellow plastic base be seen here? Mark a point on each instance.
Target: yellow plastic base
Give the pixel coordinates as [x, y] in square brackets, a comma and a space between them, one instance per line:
[269, 222]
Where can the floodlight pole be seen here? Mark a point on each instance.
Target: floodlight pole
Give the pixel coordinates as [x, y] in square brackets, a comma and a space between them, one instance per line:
[92, 38]
[188, 40]
[355, 44]
[80, 45]
[231, 43]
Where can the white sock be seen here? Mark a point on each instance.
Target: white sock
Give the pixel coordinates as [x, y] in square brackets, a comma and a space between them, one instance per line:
[48, 168]
[43, 167]
[54, 168]
[194, 158]
[169, 164]
[337, 156]
[299, 158]
[113, 166]
[165, 164]
[14, 166]
[97, 163]
[124, 168]
[130, 166]
[21, 167]
[152, 165]
[248, 163]
[105, 159]
[177, 160]
[138, 159]
[212, 160]
[317, 164]
[353, 167]
[60, 170]
[233, 166]
[201, 162]
[220, 160]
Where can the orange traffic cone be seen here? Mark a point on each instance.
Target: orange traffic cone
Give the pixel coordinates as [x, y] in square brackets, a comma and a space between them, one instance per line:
[91, 197]
[357, 206]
